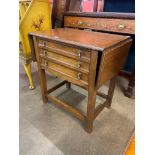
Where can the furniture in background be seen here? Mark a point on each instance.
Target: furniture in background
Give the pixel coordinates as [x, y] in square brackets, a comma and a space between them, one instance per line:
[34, 16]
[60, 6]
[127, 6]
[109, 22]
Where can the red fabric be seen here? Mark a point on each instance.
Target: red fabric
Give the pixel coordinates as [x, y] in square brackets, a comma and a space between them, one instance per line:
[88, 6]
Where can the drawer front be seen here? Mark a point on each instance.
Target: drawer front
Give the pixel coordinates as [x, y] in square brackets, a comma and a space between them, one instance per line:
[66, 61]
[64, 71]
[105, 24]
[68, 50]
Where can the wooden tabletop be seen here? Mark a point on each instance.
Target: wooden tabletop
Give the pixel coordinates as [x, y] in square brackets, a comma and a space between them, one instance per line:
[87, 39]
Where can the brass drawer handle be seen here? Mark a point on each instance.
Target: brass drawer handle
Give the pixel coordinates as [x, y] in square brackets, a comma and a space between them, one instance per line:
[79, 53]
[102, 25]
[121, 26]
[45, 53]
[88, 25]
[46, 63]
[79, 76]
[44, 44]
[79, 64]
[80, 23]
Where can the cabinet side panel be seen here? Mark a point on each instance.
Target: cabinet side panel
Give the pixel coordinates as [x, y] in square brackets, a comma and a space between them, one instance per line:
[113, 60]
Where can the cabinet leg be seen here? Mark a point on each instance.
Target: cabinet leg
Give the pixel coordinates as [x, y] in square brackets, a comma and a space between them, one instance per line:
[90, 111]
[68, 85]
[111, 91]
[129, 91]
[43, 84]
[91, 93]
[27, 68]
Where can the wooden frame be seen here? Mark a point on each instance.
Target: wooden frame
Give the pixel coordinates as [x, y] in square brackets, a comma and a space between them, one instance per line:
[92, 112]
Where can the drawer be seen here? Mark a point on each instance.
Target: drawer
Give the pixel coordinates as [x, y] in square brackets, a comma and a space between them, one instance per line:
[66, 61]
[68, 50]
[104, 24]
[64, 71]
